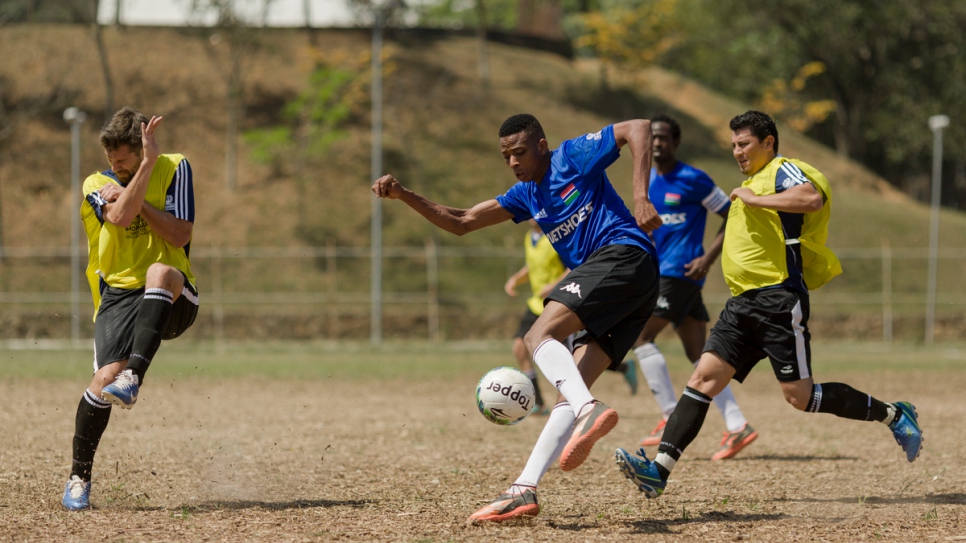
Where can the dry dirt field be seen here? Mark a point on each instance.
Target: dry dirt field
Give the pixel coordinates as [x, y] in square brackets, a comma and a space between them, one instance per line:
[356, 459]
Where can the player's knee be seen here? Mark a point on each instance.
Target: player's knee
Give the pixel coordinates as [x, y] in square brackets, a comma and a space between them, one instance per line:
[796, 399]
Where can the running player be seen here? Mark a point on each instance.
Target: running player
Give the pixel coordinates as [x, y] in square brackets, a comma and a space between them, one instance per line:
[543, 270]
[608, 295]
[774, 252]
[139, 216]
[684, 196]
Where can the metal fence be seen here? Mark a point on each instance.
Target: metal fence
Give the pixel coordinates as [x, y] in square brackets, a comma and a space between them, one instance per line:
[424, 286]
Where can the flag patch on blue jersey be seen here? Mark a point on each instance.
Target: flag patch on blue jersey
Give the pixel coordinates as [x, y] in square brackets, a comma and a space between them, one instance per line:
[671, 199]
[570, 193]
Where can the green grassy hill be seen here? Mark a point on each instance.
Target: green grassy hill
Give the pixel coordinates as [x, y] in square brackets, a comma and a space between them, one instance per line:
[440, 138]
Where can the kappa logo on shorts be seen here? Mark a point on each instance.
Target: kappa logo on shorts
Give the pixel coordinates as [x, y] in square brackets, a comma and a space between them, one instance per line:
[787, 370]
[573, 288]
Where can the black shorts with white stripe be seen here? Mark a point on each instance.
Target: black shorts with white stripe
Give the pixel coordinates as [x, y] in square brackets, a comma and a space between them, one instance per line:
[117, 314]
[769, 322]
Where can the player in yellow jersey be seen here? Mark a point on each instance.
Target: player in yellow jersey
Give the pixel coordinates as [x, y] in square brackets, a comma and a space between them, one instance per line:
[139, 216]
[774, 252]
[543, 270]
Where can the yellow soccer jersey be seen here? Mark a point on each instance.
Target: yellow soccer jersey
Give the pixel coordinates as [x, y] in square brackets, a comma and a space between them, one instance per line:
[543, 268]
[121, 256]
[756, 253]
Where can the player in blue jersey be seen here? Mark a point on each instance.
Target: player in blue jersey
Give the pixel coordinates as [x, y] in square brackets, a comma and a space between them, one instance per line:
[774, 252]
[607, 297]
[683, 196]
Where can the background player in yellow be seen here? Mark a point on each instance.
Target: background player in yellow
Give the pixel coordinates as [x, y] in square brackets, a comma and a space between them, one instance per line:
[774, 252]
[543, 269]
[139, 217]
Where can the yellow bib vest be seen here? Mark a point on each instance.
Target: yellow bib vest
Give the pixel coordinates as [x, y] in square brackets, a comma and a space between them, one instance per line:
[543, 267]
[121, 256]
[754, 245]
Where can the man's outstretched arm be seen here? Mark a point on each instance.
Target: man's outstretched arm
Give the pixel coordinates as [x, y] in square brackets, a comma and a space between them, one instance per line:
[453, 220]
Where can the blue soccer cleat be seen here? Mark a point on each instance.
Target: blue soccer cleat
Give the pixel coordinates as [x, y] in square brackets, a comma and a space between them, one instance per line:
[906, 430]
[643, 473]
[77, 494]
[123, 392]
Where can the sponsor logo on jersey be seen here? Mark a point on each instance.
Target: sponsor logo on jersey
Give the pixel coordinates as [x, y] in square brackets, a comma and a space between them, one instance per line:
[569, 225]
[169, 203]
[674, 218]
[787, 370]
[542, 214]
[671, 199]
[569, 194]
[594, 136]
[573, 288]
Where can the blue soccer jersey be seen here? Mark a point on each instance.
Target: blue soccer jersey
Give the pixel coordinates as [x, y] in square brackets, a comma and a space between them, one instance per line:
[683, 198]
[575, 204]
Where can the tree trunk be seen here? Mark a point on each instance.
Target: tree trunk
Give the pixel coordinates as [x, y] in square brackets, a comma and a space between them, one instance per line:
[234, 118]
[482, 52]
[105, 70]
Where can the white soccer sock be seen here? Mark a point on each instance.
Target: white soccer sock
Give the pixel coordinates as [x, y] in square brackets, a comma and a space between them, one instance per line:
[890, 414]
[726, 403]
[558, 366]
[654, 368]
[549, 445]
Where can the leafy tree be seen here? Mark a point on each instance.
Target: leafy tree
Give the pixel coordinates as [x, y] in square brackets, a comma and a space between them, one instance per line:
[312, 122]
[861, 76]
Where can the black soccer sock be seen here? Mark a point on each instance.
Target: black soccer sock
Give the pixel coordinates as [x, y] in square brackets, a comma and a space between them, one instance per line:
[152, 319]
[93, 414]
[684, 424]
[844, 401]
[536, 391]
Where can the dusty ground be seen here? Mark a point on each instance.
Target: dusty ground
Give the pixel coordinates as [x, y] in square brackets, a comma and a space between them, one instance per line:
[357, 460]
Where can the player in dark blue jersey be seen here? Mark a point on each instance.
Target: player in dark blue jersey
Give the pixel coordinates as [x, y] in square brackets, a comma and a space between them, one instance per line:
[607, 297]
[683, 196]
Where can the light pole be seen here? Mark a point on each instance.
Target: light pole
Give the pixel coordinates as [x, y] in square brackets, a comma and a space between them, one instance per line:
[380, 16]
[75, 118]
[375, 257]
[936, 123]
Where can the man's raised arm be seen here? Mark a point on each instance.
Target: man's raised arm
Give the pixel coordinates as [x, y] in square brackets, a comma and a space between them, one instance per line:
[637, 135]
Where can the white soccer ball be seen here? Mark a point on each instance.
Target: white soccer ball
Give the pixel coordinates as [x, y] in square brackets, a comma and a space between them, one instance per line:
[505, 395]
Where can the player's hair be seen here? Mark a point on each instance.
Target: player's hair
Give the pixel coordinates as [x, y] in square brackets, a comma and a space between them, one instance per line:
[123, 128]
[761, 125]
[522, 122]
[675, 127]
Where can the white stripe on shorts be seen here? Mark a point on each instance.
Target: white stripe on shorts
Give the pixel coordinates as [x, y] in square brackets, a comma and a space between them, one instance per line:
[800, 353]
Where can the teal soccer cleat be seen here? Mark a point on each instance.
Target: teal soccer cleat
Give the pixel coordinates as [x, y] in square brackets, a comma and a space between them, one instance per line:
[643, 473]
[906, 430]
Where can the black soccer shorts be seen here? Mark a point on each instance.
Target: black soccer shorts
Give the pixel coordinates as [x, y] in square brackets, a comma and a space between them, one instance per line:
[613, 294]
[770, 322]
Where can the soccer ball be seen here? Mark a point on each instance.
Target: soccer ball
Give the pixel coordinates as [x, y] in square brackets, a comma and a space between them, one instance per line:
[505, 396]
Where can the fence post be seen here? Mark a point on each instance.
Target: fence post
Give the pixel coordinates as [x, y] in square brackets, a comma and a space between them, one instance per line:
[218, 315]
[886, 291]
[432, 289]
[332, 291]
